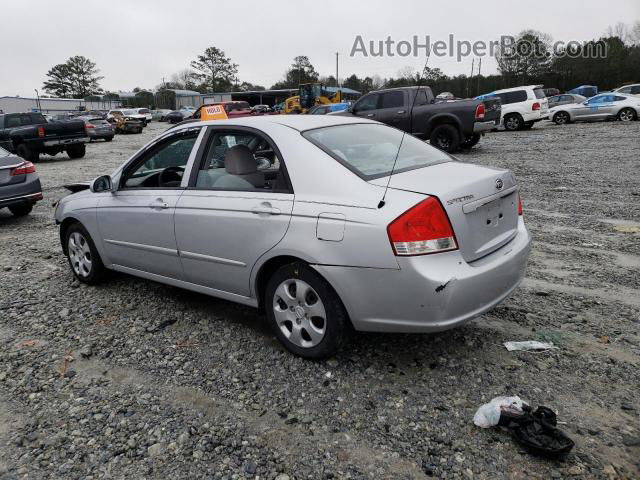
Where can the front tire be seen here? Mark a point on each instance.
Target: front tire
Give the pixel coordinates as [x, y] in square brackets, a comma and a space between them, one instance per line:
[21, 210]
[108, 139]
[445, 137]
[77, 151]
[561, 118]
[27, 153]
[471, 141]
[626, 115]
[305, 312]
[83, 257]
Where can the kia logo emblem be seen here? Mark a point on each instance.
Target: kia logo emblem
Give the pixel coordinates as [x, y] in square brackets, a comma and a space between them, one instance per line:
[499, 184]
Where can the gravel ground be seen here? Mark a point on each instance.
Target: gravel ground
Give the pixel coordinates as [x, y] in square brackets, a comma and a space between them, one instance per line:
[134, 379]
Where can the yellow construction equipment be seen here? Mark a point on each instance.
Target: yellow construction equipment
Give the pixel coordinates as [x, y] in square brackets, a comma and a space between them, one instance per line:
[310, 95]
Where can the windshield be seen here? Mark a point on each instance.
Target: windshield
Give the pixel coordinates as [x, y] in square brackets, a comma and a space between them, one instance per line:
[370, 150]
[129, 112]
[143, 110]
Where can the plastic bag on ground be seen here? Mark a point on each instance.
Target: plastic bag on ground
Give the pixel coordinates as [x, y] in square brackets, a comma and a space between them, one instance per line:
[488, 415]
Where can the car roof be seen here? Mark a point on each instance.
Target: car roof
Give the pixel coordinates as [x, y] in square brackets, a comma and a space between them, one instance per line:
[523, 87]
[296, 122]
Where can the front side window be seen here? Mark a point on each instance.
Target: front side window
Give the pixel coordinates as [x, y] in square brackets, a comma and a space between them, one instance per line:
[164, 164]
[625, 90]
[241, 160]
[370, 150]
[370, 102]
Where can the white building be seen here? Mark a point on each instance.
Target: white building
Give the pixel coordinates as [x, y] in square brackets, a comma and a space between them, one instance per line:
[52, 105]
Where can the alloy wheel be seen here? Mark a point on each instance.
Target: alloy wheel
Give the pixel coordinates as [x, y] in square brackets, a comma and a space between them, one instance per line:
[512, 123]
[561, 118]
[626, 115]
[300, 313]
[80, 254]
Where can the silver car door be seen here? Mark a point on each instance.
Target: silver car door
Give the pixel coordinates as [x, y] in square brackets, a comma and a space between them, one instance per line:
[136, 221]
[236, 209]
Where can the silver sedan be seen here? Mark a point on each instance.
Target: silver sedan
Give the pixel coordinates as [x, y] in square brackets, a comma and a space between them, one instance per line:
[299, 217]
[601, 107]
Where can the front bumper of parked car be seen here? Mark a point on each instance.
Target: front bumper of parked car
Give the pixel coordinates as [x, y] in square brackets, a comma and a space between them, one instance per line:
[429, 293]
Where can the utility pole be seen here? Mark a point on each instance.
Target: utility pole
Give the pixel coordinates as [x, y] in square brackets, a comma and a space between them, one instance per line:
[337, 81]
[479, 69]
[471, 77]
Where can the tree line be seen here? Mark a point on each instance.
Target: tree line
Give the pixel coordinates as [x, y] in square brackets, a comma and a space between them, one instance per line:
[214, 71]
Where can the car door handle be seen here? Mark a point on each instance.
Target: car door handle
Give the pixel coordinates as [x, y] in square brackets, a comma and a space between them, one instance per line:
[266, 209]
[400, 112]
[159, 204]
[371, 115]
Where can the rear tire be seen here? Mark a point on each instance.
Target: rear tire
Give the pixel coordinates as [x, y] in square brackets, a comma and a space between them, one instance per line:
[21, 210]
[77, 151]
[84, 260]
[445, 137]
[108, 139]
[626, 115]
[513, 122]
[305, 312]
[527, 125]
[27, 153]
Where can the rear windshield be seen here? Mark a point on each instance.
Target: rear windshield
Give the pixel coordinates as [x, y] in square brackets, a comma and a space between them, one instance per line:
[370, 150]
[3, 152]
[129, 112]
[99, 121]
[539, 93]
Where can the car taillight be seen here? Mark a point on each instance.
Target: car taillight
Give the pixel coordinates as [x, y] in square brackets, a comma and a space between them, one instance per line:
[41, 131]
[23, 169]
[535, 106]
[480, 111]
[89, 125]
[423, 229]
[519, 205]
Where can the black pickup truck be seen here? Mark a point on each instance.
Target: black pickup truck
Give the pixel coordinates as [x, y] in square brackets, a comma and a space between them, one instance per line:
[448, 125]
[29, 135]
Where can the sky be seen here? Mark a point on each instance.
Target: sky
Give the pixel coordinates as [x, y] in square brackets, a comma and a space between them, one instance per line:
[137, 43]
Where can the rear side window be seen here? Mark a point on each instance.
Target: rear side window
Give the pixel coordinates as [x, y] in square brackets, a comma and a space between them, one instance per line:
[370, 150]
[635, 90]
[539, 93]
[392, 100]
[625, 90]
[618, 99]
[517, 96]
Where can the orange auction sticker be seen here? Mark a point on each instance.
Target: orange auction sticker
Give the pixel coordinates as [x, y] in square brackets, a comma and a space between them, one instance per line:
[213, 112]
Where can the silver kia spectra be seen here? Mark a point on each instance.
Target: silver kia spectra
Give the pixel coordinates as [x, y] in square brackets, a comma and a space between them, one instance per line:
[323, 222]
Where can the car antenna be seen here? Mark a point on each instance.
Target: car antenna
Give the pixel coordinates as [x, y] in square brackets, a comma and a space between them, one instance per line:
[413, 102]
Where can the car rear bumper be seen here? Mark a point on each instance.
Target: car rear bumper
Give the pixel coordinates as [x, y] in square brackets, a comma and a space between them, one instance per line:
[29, 191]
[429, 293]
[482, 127]
[65, 141]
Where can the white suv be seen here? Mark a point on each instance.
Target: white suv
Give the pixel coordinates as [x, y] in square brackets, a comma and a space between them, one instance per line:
[522, 107]
[629, 89]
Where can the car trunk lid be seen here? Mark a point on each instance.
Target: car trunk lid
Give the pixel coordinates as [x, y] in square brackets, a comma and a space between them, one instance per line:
[481, 202]
[7, 164]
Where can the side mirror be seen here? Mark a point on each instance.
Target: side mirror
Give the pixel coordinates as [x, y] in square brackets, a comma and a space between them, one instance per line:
[433, 100]
[102, 184]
